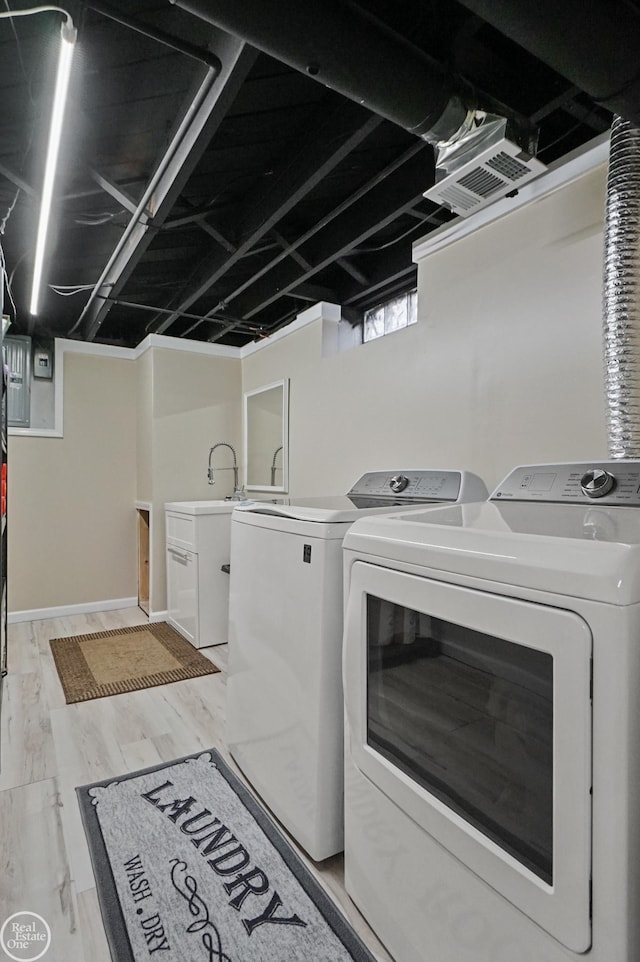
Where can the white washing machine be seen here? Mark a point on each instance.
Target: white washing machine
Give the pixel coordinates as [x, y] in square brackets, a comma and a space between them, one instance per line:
[284, 688]
[492, 781]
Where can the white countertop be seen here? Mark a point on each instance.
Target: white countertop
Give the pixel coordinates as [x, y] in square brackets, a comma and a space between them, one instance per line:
[201, 507]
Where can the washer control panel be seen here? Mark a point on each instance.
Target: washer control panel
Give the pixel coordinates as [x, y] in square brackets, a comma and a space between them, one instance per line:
[398, 482]
[596, 483]
[608, 482]
[408, 485]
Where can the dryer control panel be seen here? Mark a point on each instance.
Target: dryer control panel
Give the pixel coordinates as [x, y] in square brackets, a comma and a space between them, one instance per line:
[607, 482]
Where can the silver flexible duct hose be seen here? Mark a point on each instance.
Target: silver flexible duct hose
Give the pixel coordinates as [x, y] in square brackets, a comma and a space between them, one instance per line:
[621, 295]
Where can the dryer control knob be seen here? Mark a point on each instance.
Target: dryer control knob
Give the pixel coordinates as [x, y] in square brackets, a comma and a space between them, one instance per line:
[398, 482]
[597, 483]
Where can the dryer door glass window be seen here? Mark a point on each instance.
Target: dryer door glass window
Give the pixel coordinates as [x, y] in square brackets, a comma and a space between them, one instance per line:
[469, 717]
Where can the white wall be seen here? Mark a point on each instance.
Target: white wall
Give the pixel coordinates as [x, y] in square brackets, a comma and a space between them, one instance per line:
[503, 367]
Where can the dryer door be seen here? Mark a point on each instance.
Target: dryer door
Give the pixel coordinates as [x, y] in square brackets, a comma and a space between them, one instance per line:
[471, 711]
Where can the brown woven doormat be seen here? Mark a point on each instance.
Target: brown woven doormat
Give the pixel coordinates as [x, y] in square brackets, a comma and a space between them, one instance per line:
[125, 659]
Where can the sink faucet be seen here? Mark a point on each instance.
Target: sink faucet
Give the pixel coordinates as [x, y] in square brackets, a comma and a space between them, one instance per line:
[224, 444]
[273, 465]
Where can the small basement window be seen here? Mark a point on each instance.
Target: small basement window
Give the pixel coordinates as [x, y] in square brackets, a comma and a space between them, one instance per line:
[390, 316]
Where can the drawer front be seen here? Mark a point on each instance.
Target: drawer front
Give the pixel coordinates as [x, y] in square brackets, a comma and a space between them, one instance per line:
[181, 530]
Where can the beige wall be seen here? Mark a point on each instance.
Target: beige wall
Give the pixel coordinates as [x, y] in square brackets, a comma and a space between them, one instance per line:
[503, 367]
[189, 401]
[144, 433]
[71, 530]
[133, 431]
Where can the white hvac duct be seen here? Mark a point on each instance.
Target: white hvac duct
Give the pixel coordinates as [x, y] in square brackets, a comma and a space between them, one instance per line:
[621, 295]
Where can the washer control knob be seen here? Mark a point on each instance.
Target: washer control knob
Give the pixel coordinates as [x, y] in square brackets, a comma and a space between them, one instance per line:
[597, 483]
[398, 482]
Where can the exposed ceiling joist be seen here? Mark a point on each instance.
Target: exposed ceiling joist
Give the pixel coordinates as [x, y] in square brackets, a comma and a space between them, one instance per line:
[217, 236]
[377, 210]
[352, 270]
[334, 137]
[199, 218]
[284, 244]
[313, 293]
[387, 269]
[124, 199]
[184, 239]
[16, 180]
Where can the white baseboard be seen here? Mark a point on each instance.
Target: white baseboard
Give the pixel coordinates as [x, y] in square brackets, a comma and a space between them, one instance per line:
[158, 615]
[38, 614]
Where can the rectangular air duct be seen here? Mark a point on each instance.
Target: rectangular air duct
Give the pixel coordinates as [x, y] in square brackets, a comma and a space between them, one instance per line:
[481, 166]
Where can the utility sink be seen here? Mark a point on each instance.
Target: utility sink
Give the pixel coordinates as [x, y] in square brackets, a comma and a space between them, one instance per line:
[198, 564]
[202, 507]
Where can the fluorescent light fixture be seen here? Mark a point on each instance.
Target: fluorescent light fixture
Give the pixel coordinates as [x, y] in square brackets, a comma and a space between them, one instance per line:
[68, 36]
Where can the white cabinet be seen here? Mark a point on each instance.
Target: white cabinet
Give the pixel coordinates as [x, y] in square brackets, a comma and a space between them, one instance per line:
[183, 596]
[198, 546]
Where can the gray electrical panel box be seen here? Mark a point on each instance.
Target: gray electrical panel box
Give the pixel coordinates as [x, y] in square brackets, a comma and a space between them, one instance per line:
[42, 362]
[18, 359]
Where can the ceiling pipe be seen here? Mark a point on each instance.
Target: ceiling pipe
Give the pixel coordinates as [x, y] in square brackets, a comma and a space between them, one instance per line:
[593, 44]
[189, 140]
[152, 33]
[340, 46]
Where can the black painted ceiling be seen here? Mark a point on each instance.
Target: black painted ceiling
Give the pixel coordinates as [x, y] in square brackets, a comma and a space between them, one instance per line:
[290, 194]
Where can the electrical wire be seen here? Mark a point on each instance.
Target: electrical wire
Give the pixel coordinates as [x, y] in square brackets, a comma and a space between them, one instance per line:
[9, 14]
[6, 217]
[17, 265]
[163, 310]
[567, 133]
[20, 57]
[68, 290]
[31, 10]
[97, 219]
[396, 240]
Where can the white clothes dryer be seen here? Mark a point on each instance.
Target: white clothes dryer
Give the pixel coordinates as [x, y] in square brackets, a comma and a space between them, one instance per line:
[492, 783]
[284, 687]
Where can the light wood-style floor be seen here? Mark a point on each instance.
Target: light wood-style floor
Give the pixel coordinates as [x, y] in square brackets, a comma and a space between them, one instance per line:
[47, 748]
